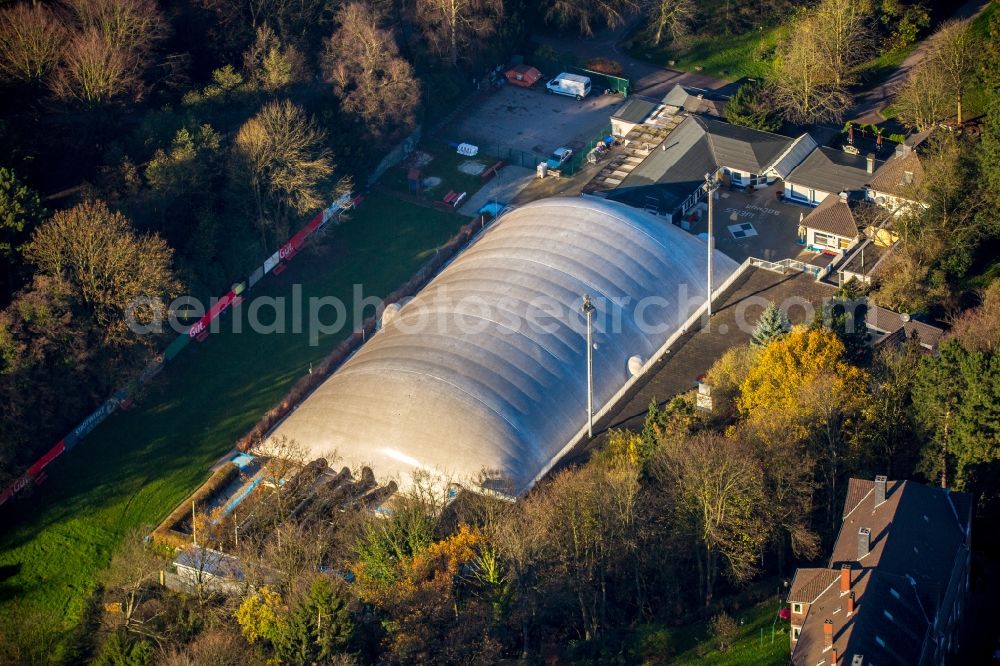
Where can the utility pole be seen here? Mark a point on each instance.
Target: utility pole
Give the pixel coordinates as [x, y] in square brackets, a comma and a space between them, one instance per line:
[711, 185]
[588, 309]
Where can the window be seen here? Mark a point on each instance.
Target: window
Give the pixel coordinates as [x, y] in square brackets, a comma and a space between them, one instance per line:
[881, 643]
[797, 608]
[824, 239]
[894, 593]
[737, 177]
[843, 243]
[795, 632]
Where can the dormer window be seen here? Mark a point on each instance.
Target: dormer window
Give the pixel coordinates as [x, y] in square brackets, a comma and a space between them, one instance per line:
[797, 608]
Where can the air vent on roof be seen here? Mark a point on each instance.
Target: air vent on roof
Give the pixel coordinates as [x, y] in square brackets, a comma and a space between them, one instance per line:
[859, 660]
[881, 643]
[894, 593]
[887, 614]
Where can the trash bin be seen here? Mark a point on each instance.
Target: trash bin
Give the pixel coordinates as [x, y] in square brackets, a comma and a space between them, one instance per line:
[543, 169]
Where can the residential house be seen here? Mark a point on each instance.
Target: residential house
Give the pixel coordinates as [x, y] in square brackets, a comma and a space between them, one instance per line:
[895, 587]
[894, 184]
[827, 171]
[890, 327]
[669, 181]
[831, 226]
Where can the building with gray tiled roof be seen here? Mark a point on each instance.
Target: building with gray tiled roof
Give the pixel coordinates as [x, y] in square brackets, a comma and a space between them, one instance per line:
[894, 589]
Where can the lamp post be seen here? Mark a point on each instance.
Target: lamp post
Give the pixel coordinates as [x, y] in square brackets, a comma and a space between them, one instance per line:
[588, 310]
[711, 185]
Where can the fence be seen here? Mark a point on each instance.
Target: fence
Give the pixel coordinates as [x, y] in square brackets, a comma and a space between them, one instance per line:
[791, 264]
[208, 323]
[599, 81]
[395, 156]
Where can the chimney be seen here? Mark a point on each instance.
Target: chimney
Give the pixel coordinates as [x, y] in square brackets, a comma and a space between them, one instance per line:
[850, 603]
[843, 196]
[833, 656]
[828, 634]
[845, 578]
[871, 162]
[879, 489]
[859, 660]
[864, 541]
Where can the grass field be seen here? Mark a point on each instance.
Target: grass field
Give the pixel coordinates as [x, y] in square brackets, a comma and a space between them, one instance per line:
[138, 465]
[728, 57]
[756, 644]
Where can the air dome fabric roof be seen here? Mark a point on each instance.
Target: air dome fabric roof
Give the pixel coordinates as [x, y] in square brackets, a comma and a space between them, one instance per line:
[485, 369]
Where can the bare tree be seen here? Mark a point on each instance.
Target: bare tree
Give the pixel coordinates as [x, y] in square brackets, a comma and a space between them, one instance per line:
[844, 37]
[804, 88]
[953, 53]
[455, 26]
[585, 14]
[129, 581]
[362, 62]
[923, 100]
[673, 17]
[31, 42]
[281, 154]
[94, 72]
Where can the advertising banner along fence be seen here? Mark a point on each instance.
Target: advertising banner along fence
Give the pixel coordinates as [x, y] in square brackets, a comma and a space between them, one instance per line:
[198, 331]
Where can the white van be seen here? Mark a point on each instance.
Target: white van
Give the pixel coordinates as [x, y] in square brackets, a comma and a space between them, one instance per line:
[573, 85]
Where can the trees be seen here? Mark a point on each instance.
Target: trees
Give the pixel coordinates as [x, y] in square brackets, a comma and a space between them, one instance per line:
[20, 211]
[956, 403]
[718, 492]
[772, 325]
[585, 14]
[272, 65]
[31, 42]
[805, 88]
[281, 153]
[128, 582]
[454, 27]
[363, 64]
[844, 38]
[750, 108]
[107, 269]
[940, 79]
[673, 17]
[113, 48]
[317, 628]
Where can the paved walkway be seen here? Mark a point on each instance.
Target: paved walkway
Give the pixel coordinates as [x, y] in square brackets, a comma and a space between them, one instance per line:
[502, 188]
[870, 103]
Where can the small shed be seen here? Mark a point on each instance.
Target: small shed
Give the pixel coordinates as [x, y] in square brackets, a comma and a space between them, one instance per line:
[523, 75]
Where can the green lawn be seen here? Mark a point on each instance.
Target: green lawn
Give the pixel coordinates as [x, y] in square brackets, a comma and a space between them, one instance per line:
[444, 166]
[728, 57]
[755, 645]
[138, 465]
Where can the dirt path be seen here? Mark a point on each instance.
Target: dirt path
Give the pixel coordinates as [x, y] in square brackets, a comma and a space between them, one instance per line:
[870, 103]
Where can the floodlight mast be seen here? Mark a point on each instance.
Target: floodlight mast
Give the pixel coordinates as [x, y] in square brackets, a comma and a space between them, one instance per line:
[711, 185]
[588, 310]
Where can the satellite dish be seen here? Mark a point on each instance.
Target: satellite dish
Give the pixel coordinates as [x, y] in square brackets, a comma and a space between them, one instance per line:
[904, 317]
[635, 365]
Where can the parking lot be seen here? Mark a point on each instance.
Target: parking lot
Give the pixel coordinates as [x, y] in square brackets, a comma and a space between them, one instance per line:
[534, 121]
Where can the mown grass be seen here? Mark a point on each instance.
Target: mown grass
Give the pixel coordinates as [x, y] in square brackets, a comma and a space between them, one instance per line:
[728, 57]
[761, 640]
[444, 166]
[139, 464]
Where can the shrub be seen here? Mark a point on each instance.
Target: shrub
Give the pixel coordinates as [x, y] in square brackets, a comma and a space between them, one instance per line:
[724, 630]
[653, 645]
[605, 66]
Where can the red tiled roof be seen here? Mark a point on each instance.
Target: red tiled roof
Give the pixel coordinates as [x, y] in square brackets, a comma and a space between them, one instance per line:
[808, 584]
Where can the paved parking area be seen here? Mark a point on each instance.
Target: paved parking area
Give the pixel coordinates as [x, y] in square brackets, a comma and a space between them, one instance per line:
[755, 224]
[534, 121]
[502, 188]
